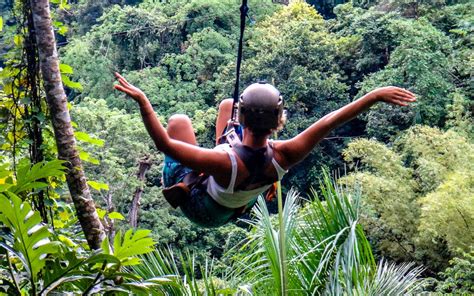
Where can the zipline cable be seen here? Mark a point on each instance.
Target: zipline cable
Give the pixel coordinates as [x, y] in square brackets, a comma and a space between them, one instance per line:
[243, 14]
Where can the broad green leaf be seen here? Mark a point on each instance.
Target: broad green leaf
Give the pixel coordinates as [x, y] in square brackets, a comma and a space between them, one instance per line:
[66, 69]
[7, 88]
[100, 258]
[132, 244]
[85, 137]
[87, 157]
[101, 213]
[4, 172]
[63, 30]
[98, 186]
[67, 241]
[18, 40]
[64, 5]
[105, 246]
[5, 187]
[65, 279]
[116, 215]
[71, 84]
[30, 236]
[27, 177]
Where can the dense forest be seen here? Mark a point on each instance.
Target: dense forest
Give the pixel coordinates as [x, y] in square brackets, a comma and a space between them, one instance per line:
[384, 205]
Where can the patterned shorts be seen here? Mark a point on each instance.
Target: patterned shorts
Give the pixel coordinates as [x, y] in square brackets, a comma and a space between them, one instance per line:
[201, 208]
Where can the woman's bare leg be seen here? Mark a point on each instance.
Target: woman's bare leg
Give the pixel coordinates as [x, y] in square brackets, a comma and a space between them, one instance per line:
[180, 128]
[225, 112]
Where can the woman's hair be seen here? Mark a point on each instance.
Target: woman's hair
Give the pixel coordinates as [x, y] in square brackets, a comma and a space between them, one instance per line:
[265, 132]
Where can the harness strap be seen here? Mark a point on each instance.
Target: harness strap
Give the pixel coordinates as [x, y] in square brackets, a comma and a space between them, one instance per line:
[255, 161]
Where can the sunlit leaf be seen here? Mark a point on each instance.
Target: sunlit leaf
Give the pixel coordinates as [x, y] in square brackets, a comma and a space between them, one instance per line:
[66, 240]
[83, 155]
[66, 69]
[132, 244]
[71, 84]
[85, 137]
[98, 186]
[18, 40]
[101, 213]
[116, 215]
[28, 176]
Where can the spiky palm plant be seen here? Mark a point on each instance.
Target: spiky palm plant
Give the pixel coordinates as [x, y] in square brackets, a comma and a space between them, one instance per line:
[326, 250]
[323, 251]
[172, 273]
[260, 262]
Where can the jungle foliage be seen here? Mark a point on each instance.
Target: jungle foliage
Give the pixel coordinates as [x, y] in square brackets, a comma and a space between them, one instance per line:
[407, 190]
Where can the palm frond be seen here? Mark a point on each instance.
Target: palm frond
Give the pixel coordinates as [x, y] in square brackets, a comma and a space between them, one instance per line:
[392, 279]
[175, 274]
[261, 263]
[329, 239]
[30, 237]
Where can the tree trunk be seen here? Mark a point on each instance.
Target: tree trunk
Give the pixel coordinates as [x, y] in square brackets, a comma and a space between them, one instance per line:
[65, 141]
[34, 109]
[143, 167]
[109, 224]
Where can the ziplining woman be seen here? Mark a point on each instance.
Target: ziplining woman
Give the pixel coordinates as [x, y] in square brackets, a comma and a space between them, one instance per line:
[215, 186]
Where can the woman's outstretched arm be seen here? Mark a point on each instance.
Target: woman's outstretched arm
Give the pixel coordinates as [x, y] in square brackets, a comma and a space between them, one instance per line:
[199, 159]
[297, 148]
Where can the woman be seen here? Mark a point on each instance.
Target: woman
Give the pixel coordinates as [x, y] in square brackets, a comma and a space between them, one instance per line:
[232, 177]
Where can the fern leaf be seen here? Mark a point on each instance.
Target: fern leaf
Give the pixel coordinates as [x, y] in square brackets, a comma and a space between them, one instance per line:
[27, 177]
[132, 244]
[30, 237]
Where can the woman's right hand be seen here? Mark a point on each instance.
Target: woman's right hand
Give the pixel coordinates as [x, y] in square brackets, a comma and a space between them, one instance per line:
[137, 94]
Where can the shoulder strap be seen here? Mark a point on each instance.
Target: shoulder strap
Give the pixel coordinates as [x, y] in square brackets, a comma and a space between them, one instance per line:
[255, 161]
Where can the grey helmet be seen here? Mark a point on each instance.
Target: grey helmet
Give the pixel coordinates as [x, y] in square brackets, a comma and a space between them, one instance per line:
[260, 106]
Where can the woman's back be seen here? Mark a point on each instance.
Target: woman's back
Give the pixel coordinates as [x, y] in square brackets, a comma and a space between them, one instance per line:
[243, 183]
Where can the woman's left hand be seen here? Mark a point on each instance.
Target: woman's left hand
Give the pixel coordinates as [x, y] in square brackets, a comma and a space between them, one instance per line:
[393, 95]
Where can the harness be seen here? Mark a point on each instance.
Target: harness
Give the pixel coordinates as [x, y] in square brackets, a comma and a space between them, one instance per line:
[256, 161]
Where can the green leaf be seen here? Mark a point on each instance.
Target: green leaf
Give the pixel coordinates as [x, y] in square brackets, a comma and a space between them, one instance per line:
[66, 69]
[65, 279]
[1, 23]
[105, 246]
[98, 186]
[101, 213]
[18, 40]
[62, 30]
[132, 244]
[5, 187]
[116, 215]
[85, 137]
[87, 157]
[67, 241]
[30, 237]
[64, 5]
[27, 178]
[71, 84]
[100, 258]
